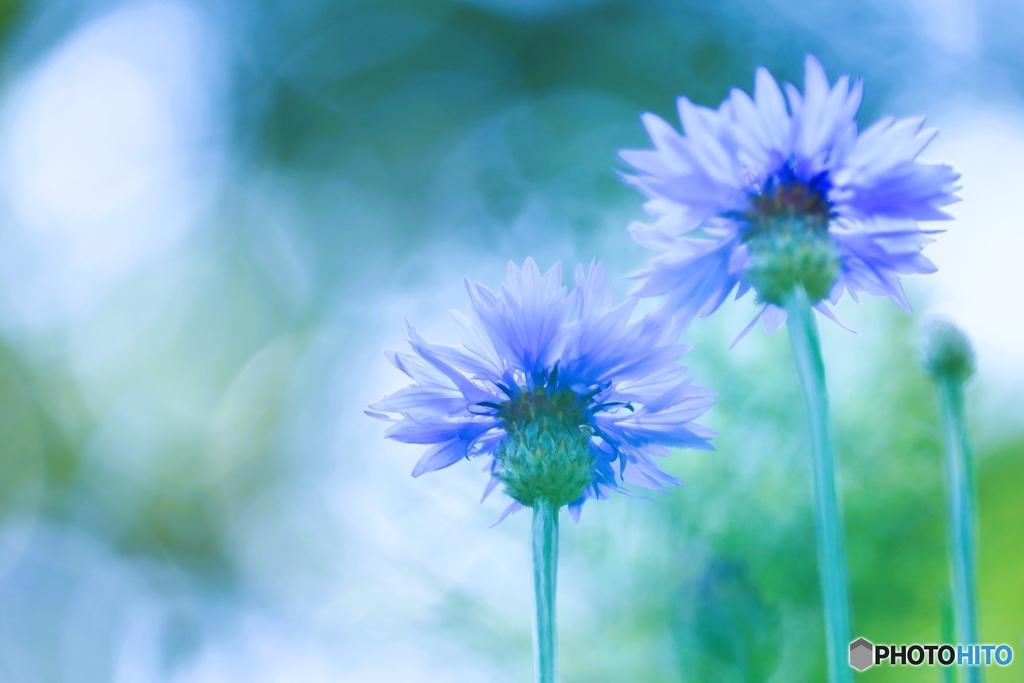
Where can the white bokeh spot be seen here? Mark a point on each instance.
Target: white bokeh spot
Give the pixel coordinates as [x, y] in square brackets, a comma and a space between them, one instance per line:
[108, 157]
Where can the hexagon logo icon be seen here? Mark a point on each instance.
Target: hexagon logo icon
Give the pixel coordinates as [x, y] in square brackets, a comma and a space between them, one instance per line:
[861, 654]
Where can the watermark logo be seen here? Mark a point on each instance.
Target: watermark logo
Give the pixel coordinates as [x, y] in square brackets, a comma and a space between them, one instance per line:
[861, 654]
[864, 654]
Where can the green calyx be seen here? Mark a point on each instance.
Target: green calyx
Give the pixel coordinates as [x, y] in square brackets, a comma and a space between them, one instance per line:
[786, 251]
[786, 232]
[546, 454]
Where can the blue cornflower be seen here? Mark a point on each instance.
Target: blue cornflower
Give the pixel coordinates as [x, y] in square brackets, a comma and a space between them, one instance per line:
[561, 393]
[756, 195]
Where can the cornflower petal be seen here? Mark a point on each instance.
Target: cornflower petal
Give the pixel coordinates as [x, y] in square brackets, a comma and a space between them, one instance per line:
[440, 456]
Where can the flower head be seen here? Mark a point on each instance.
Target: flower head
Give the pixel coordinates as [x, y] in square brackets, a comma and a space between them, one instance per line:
[759, 196]
[561, 394]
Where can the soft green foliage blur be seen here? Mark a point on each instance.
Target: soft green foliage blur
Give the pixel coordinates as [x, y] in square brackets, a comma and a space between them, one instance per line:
[211, 456]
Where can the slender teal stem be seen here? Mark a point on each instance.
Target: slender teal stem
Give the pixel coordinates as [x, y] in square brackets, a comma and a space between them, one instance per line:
[803, 338]
[962, 546]
[545, 573]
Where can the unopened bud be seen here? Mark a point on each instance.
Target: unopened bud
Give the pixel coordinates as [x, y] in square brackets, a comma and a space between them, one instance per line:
[946, 351]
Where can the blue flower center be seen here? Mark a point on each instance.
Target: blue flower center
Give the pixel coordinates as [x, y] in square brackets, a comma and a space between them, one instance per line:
[785, 228]
[559, 405]
[786, 198]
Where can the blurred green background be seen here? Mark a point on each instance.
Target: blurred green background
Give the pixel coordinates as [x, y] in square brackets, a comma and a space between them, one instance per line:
[213, 217]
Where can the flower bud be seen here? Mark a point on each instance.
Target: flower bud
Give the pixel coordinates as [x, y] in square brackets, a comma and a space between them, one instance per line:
[946, 351]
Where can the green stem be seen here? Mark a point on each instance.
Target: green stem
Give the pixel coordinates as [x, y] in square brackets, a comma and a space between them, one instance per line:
[545, 572]
[961, 515]
[803, 337]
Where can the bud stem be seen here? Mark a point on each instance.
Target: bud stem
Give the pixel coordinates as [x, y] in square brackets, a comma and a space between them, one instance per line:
[960, 503]
[803, 338]
[545, 571]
